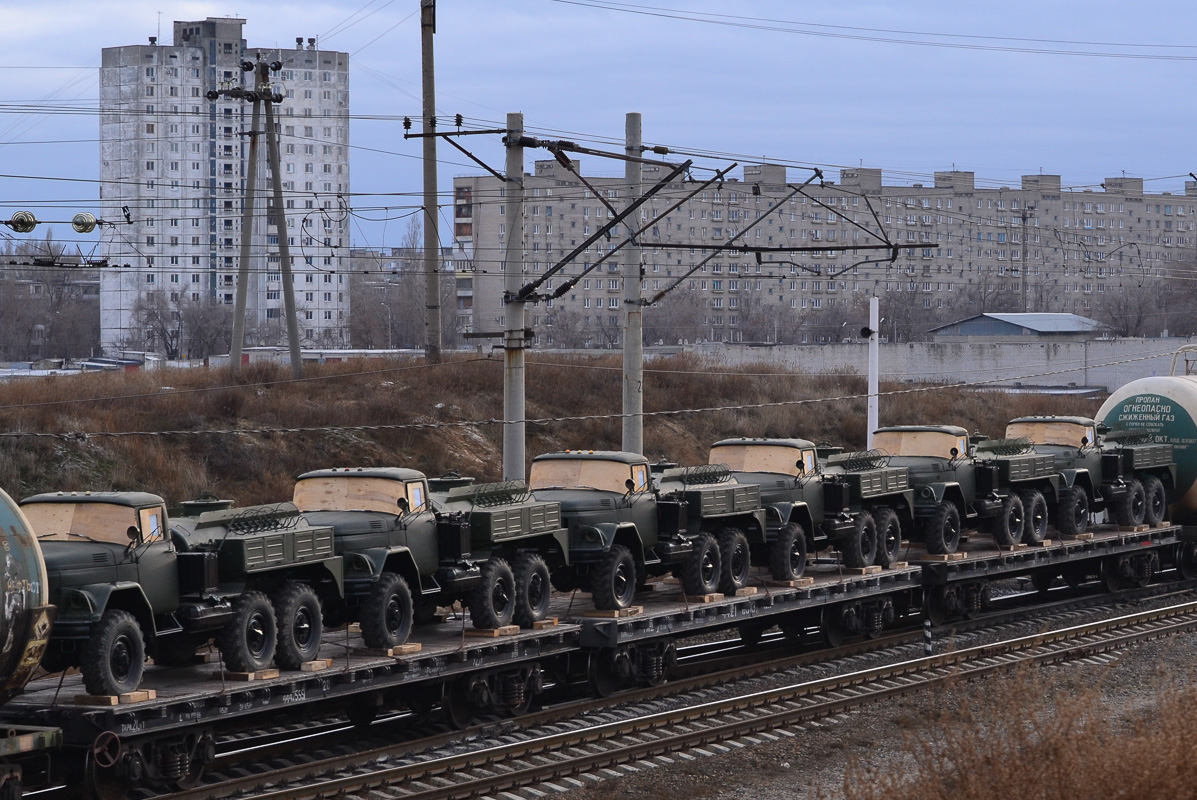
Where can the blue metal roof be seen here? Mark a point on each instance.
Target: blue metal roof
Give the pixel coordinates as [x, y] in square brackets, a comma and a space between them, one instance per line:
[1038, 322]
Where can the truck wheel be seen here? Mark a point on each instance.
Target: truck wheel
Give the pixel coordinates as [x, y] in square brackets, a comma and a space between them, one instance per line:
[1034, 516]
[700, 571]
[1007, 526]
[787, 553]
[860, 545]
[943, 531]
[735, 560]
[613, 581]
[566, 579]
[1132, 508]
[1072, 514]
[248, 641]
[1156, 500]
[300, 625]
[114, 658]
[533, 589]
[387, 614]
[493, 600]
[889, 536]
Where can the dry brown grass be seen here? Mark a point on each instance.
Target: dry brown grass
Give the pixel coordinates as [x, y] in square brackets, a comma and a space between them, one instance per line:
[1018, 739]
[261, 467]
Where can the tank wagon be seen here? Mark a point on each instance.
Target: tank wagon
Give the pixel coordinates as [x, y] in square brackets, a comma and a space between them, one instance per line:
[852, 501]
[405, 554]
[626, 524]
[1122, 472]
[996, 482]
[128, 583]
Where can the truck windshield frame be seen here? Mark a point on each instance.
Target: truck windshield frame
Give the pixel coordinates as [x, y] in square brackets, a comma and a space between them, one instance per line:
[74, 522]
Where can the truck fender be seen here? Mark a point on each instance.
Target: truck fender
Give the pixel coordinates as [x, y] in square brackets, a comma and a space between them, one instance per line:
[1081, 478]
[99, 597]
[754, 525]
[933, 494]
[625, 534]
[387, 559]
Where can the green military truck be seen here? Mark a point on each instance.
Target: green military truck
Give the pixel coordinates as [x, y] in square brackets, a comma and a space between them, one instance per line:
[852, 501]
[1123, 473]
[625, 524]
[406, 555]
[1002, 483]
[130, 582]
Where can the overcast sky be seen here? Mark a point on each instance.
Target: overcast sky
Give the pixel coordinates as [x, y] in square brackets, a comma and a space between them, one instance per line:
[815, 83]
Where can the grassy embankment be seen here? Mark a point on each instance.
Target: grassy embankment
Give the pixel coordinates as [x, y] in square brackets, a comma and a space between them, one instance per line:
[256, 468]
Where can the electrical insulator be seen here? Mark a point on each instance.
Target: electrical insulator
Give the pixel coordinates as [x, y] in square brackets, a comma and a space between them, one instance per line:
[458, 120]
[212, 94]
[407, 123]
[84, 222]
[247, 66]
[23, 222]
[276, 97]
[431, 123]
[275, 66]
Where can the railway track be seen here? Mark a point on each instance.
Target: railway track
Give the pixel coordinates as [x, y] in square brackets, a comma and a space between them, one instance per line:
[447, 769]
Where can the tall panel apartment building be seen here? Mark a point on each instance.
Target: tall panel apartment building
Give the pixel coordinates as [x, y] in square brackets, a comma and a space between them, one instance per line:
[173, 176]
[970, 244]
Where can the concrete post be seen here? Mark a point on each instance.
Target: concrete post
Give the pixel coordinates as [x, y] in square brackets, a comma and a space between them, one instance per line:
[261, 79]
[284, 248]
[874, 364]
[513, 311]
[432, 246]
[633, 311]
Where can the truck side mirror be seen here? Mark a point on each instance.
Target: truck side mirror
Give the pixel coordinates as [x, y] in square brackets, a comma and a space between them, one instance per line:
[954, 452]
[1084, 441]
[630, 485]
[403, 505]
[133, 533]
[800, 466]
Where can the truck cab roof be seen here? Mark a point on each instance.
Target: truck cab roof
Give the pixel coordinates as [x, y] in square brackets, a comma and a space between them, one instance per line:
[376, 489]
[130, 499]
[773, 456]
[601, 470]
[922, 441]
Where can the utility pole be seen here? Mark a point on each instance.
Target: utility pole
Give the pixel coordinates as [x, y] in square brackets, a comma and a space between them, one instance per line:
[1026, 242]
[874, 330]
[280, 228]
[633, 309]
[432, 247]
[261, 86]
[514, 339]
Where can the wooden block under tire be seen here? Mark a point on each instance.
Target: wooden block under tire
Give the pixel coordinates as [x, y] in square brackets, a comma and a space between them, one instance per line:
[615, 613]
[491, 633]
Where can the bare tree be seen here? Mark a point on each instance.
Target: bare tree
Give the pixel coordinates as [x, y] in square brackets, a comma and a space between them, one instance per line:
[152, 313]
[206, 326]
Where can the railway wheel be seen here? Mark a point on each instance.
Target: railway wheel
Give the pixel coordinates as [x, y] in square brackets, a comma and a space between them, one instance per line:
[1132, 506]
[457, 705]
[247, 642]
[700, 571]
[1034, 516]
[114, 658]
[1007, 526]
[1072, 512]
[388, 614]
[1186, 560]
[492, 603]
[300, 625]
[943, 530]
[860, 545]
[613, 582]
[937, 604]
[533, 589]
[889, 536]
[735, 560]
[11, 789]
[836, 624]
[606, 671]
[1156, 500]
[787, 553]
[1115, 573]
[1042, 581]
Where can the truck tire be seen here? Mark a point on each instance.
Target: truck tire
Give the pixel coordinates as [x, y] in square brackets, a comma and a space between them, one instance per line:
[1156, 506]
[566, 579]
[1034, 516]
[248, 640]
[1072, 512]
[735, 560]
[1007, 526]
[943, 531]
[300, 625]
[860, 545]
[533, 589]
[701, 570]
[613, 581]
[1132, 506]
[787, 553]
[388, 613]
[889, 536]
[114, 658]
[492, 603]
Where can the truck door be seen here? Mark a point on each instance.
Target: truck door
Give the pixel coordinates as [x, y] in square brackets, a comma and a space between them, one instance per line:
[157, 567]
[419, 528]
